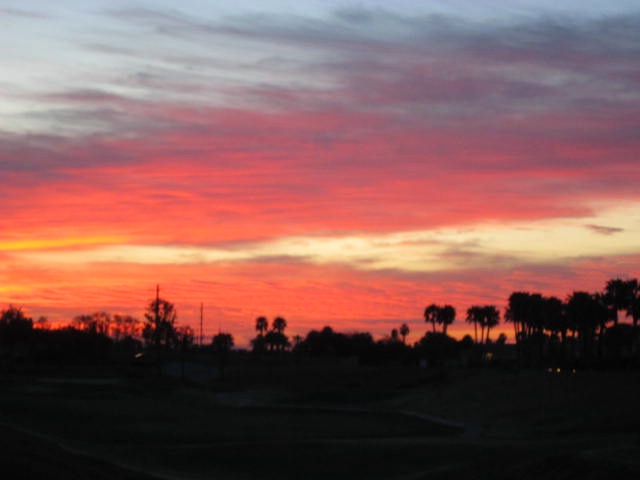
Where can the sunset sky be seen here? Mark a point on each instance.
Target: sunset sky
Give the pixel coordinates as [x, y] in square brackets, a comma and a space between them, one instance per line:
[333, 162]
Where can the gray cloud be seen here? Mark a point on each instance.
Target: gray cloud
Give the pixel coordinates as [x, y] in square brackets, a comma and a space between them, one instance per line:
[26, 14]
[603, 230]
[429, 68]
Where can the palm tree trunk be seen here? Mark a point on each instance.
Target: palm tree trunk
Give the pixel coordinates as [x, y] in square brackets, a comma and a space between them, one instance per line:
[601, 340]
[636, 337]
[517, 340]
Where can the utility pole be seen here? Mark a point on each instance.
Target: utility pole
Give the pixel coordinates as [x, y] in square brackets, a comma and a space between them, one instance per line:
[156, 333]
[201, 317]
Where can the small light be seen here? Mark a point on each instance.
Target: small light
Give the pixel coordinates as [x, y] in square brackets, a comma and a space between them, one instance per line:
[558, 370]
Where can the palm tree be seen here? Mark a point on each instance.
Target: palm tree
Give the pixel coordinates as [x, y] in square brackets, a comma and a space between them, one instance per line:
[586, 313]
[394, 335]
[518, 312]
[404, 331]
[222, 344]
[431, 315]
[490, 319]
[536, 316]
[619, 295]
[276, 340]
[555, 321]
[634, 312]
[604, 315]
[474, 315]
[279, 324]
[446, 316]
[634, 309]
[261, 325]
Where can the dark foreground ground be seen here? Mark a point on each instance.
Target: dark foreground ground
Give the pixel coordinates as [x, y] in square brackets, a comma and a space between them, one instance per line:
[307, 422]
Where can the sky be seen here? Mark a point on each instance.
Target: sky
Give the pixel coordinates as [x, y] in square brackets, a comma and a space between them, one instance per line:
[333, 162]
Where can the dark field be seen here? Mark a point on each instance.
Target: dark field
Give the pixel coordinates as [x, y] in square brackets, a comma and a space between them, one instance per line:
[323, 422]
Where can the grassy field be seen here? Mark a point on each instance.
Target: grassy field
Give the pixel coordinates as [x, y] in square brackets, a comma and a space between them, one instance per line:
[312, 422]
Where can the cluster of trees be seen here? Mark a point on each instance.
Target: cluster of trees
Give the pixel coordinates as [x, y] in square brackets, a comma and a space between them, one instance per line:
[159, 330]
[442, 316]
[95, 336]
[20, 339]
[270, 339]
[434, 347]
[585, 325]
[583, 328]
[403, 331]
[327, 342]
[484, 316]
[116, 326]
[15, 326]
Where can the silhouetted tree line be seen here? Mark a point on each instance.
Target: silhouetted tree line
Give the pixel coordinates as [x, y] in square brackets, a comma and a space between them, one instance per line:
[584, 329]
[95, 337]
[19, 340]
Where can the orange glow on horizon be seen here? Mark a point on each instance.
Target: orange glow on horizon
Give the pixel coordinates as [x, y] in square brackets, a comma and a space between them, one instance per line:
[30, 244]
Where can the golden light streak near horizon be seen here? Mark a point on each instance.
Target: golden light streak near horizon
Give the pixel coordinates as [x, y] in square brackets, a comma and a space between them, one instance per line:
[13, 289]
[615, 232]
[31, 244]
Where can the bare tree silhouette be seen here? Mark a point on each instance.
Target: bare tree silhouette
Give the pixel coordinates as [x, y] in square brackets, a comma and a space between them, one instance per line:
[15, 326]
[159, 330]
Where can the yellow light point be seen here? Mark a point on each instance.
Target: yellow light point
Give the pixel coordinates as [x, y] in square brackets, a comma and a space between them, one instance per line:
[56, 243]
